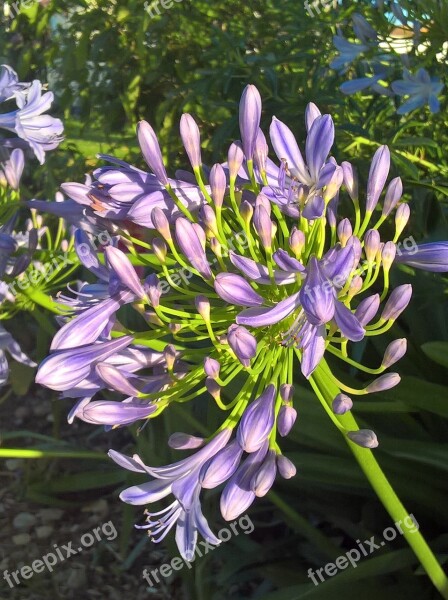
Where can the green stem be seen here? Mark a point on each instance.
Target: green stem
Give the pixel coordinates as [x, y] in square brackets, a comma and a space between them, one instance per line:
[322, 378]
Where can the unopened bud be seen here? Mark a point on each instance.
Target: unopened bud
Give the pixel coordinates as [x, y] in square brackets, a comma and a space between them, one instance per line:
[211, 367]
[184, 441]
[213, 388]
[285, 467]
[394, 352]
[296, 241]
[203, 307]
[397, 302]
[286, 418]
[388, 254]
[218, 184]
[401, 218]
[170, 356]
[246, 211]
[383, 383]
[235, 159]
[345, 231]
[365, 438]
[159, 248]
[161, 223]
[342, 404]
[371, 244]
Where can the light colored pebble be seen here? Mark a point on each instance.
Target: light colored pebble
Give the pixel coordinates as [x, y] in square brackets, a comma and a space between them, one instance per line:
[24, 520]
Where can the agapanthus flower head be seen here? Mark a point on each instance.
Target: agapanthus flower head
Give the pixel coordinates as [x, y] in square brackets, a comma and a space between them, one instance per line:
[35, 130]
[265, 272]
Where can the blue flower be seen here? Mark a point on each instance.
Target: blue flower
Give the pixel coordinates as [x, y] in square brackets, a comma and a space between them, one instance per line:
[421, 89]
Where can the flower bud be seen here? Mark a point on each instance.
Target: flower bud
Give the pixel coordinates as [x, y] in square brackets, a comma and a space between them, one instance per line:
[243, 343]
[263, 200]
[367, 309]
[394, 352]
[209, 219]
[355, 286]
[397, 302]
[264, 478]
[149, 145]
[261, 152]
[191, 139]
[286, 418]
[342, 404]
[213, 388]
[393, 195]
[211, 367]
[371, 244]
[257, 421]
[379, 170]
[161, 223]
[249, 118]
[350, 180]
[285, 467]
[235, 159]
[184, 441]
[218, 184]
[364, 438]
[383, 383]
[221, 466]
[203, 307]
[263, 226]
[388, 254]
[401, 218]
[246, 211]
[152, 289]
[345, 231]
[296, 241]
[159, 249]
[286, 392]
[170, 354]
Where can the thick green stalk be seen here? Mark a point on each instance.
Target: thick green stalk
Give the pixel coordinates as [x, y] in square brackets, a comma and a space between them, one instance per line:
[321, 381]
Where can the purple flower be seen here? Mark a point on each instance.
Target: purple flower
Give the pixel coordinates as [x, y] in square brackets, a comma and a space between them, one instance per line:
[191, 246]
[182, 480]
[13, 168]
[242, 343]
[379, 170]
[40, 132]
[250, 115]
[64, 369]
[9, 344]
[151, 151]
[421, 88]
[257, 421]
[189, 132]
[430, 257]
[236, 290]
[238, 493]
[9, 83]
[286, 418]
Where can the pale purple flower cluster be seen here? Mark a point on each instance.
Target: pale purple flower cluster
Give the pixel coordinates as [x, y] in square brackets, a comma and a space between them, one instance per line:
[270, 275]
[35, 130]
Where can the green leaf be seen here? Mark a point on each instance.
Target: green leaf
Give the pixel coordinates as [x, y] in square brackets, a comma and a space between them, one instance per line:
[437, 351]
